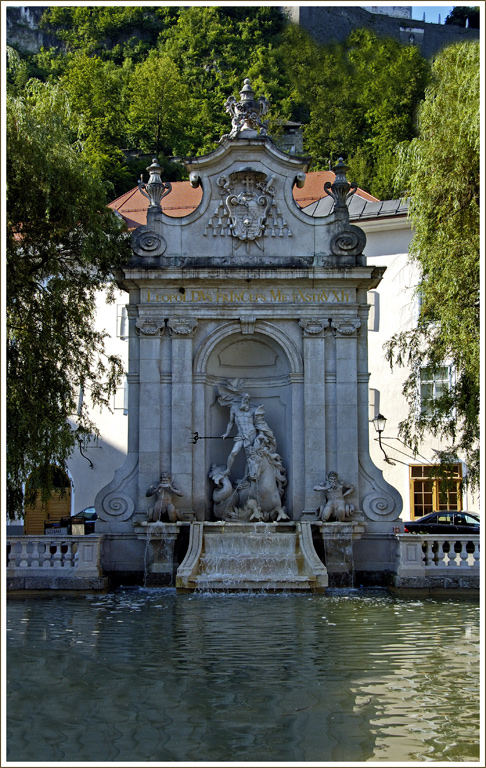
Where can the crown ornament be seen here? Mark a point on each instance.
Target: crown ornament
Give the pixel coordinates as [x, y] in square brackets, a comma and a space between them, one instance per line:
[246, 114]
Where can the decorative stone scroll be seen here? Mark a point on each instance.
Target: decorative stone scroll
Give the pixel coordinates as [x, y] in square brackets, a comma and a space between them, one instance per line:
[312, 327]
[347, 326]
[148, 244]
[380, 506]
[182, 326]
[349, 242]
[150, 326]
[114, 503]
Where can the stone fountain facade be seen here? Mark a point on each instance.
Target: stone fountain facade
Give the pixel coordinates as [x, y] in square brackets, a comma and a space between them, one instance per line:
[248, 320]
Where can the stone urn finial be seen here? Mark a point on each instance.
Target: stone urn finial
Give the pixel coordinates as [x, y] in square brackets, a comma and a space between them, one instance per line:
[340, 190]
[156, 189]
[246, 114]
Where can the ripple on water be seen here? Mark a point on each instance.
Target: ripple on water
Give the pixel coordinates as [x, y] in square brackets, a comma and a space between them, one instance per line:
[151, 675]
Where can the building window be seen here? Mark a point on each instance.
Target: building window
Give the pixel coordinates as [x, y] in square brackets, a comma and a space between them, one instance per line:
[374, 311]
[433, 383]
[430, 492]
[121, 321]
[120, 399]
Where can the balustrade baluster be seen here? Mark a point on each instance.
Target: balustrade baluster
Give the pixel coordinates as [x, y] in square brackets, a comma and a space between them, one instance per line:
[435, 555]
[65, 554]
[35, 563]
[56, 555]
[425, 550]
[24, 556]
[45, 554]
[446, 553]
[475, 554]
[464, 555]
[457, 551]
[70, 555]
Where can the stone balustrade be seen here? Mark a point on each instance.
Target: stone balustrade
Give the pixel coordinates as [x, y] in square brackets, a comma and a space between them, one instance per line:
[437, 561]
[54, 562]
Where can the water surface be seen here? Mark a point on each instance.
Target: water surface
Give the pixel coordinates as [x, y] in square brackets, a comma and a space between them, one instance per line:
[149, 675]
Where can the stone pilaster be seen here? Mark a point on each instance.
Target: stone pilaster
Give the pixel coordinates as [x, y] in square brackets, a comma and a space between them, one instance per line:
[150, 330]
[182, 332]
[133, 378]
[314, 408]
[347, 329]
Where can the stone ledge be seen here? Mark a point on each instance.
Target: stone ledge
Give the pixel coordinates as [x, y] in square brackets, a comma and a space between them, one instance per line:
[55, 582]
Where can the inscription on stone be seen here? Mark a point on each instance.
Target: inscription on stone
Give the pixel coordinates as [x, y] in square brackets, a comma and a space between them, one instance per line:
[236, 296]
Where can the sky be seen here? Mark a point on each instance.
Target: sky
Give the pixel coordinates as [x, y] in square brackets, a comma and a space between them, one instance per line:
[432, 12]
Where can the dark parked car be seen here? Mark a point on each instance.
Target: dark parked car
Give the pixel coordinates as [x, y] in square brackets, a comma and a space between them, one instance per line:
[444, 522]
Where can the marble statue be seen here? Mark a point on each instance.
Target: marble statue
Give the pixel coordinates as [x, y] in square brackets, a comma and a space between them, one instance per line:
[258, 495]
[163, 507]
[336, 507]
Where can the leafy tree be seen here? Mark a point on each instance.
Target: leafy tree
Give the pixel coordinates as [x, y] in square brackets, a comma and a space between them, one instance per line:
[159, 106]
[460, 13]
[361, 97]
[440, 171]
[95, 90]
[110, 32]
[215, 48]
[63, 245]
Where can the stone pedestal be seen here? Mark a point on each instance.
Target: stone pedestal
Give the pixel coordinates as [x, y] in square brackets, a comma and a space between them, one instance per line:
[159, 539]
[338, 544]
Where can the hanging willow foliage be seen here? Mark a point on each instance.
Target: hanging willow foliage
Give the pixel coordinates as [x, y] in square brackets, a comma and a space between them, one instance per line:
[440, 172]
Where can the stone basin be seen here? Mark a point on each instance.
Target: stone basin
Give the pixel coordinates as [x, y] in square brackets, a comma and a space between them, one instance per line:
[251, 556]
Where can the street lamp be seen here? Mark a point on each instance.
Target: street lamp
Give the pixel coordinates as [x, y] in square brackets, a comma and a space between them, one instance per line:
[379, 424]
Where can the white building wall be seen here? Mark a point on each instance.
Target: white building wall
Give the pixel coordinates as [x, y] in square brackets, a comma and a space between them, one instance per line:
[395, 308]
[107, 452]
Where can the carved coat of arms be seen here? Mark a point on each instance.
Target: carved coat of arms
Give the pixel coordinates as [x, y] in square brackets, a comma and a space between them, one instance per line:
[248, 202]
[247, 210]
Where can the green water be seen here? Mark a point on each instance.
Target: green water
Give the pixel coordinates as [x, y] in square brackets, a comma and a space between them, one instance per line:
[149, 675]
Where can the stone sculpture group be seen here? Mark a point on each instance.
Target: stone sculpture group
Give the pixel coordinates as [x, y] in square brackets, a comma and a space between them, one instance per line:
[258, 494]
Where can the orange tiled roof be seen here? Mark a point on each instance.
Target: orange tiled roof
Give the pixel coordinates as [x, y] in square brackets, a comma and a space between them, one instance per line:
[183, 198]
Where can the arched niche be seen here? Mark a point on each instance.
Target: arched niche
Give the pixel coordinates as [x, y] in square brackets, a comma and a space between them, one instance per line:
[264, 369]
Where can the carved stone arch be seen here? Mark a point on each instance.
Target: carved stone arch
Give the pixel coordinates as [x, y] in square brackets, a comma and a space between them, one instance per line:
[287, 345]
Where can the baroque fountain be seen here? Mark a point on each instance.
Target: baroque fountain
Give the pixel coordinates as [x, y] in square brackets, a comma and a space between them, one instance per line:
[248, 464]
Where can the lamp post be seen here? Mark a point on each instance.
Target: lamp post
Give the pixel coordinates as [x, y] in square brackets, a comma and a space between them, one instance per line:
[379, 424]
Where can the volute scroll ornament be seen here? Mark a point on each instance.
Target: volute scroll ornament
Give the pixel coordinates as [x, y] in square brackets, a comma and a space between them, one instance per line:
[148, 244]
[348, 242]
